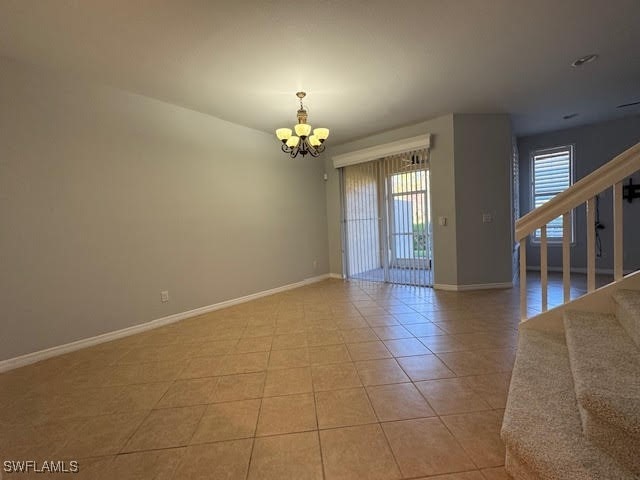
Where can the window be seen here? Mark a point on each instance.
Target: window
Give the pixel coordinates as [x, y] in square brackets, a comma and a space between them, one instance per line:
[552, 173]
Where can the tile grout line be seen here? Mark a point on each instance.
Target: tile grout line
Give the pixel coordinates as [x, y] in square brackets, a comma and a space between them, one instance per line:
[383, 432]
[255, 431]
[458, 442]
[315, 406]
[124, 444]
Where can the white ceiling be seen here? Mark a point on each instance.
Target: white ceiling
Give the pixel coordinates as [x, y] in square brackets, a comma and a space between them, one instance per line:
[367, 65]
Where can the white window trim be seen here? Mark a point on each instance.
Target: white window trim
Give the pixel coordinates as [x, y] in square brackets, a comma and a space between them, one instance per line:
[555, 241]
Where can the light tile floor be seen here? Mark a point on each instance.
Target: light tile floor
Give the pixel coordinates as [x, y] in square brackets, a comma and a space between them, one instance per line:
[337, 380]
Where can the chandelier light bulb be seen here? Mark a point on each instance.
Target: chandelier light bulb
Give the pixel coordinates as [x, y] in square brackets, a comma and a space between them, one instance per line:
[292, 142]
[314, 141]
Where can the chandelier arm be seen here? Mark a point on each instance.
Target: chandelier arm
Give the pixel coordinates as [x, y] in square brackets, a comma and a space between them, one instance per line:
[312, 150]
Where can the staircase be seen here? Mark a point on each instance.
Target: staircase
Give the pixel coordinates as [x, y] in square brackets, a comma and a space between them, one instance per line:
[573, 410]
[574, 404]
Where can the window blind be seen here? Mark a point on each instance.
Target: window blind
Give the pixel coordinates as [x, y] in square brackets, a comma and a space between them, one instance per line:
[551, 176]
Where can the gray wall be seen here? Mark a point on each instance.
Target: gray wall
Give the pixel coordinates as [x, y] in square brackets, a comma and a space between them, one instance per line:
[470, 174]
[595, 145]
[107, 198]
[483, 144]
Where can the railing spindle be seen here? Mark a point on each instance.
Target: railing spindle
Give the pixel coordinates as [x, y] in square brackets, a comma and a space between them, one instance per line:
[617, 231]
[585, 190]
[566, 255]
[523, 279]
[591, 244]
[543, 266]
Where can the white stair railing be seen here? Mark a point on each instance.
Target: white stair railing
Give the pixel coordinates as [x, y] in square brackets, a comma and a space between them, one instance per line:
[610, 175]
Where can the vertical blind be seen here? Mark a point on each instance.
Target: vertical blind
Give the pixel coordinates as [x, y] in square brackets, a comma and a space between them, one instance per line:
[387, 219]
[551, 169]
[361, 219]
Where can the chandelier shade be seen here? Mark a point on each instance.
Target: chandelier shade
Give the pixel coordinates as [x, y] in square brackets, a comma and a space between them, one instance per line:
[283, 134]
[306, 139]
[302, 129]
[321, 133]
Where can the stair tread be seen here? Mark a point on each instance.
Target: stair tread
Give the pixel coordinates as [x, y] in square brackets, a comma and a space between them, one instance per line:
[606, 368]
[628, 311]
[629, 297]
[542, 424]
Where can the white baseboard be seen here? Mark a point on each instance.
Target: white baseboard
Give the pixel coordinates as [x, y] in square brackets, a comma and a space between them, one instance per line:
[477, 286]
[336, 275]
[29, 358]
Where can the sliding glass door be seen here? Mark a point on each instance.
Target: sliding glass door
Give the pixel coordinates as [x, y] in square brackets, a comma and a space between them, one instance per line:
[409, 219]
[387, 220]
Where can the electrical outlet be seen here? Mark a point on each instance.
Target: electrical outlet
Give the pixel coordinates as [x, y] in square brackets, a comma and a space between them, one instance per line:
[164, 296]
[487, 218]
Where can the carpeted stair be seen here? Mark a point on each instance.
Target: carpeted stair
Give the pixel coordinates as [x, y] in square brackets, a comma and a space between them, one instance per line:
[605, 363]
[574, 403]
[628, 312]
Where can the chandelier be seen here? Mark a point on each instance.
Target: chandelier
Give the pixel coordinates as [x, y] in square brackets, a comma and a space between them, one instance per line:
[302, 142]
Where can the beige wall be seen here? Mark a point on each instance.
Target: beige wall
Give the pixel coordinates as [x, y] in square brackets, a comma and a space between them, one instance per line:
[107, 198]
